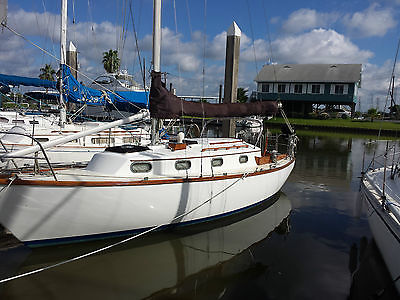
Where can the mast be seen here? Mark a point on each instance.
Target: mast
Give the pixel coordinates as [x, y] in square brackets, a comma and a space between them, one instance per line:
[157, 36]
[63, 51]
[156, 59]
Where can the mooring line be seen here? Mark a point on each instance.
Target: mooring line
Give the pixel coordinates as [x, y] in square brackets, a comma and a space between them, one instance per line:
[120, 242]
[4, 188]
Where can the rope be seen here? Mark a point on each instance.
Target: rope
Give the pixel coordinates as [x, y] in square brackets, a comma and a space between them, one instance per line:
[8, 185]
[120, 242]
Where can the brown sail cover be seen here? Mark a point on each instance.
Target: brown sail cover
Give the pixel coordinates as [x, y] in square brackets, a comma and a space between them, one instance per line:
[164, 105]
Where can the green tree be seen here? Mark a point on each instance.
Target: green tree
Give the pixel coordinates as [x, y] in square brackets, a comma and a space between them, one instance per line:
[372, 113]
[242, 95]
[47, 72]
[111, 61]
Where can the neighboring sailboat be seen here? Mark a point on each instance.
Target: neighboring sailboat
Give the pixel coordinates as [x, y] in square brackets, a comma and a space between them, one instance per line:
[126, 190]
[381, 189]
[43, 128]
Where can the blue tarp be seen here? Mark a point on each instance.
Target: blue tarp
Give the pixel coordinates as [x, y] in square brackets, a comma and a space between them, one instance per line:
[27, 81]
[123, 100]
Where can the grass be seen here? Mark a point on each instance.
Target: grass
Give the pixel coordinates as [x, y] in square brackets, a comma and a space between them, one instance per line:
[344, 123]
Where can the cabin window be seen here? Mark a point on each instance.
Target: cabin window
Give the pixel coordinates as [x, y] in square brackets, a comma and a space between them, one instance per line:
[130, 139]
[243, 159]
[103, 140]
[141, 167]
[41, 140]
[103, 80]
[298, 88]
[18, 121]
[183, 164]
[3, 120]
[216, 162]
[281, 88]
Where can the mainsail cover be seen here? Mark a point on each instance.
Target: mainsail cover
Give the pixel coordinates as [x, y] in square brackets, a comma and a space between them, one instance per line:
[78, 93]
[164, 105]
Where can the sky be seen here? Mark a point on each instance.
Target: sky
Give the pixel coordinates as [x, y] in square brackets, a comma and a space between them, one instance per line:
[194, 38]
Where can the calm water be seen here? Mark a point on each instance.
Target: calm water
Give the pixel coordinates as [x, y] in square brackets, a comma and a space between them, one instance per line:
[313, 241]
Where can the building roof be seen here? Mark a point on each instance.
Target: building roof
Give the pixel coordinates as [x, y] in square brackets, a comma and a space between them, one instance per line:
[343, 73]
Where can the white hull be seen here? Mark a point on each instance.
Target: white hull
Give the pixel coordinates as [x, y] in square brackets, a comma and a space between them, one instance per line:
[51, 213]
[384, 225]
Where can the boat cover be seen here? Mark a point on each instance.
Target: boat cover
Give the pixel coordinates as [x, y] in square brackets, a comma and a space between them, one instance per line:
[123, 100]
[165, 105]
[26, 81]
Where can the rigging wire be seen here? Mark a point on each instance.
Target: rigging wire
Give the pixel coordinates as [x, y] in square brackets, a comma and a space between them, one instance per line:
[252, 36]
[269, 40]
[189, 21]
[137, 47]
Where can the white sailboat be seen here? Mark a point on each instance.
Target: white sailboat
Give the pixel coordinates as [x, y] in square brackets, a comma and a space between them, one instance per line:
[126, 190]
[380, 187]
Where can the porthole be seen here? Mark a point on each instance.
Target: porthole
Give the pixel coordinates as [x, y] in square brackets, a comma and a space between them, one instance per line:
[140, 167]
[217, 162]
[183, 164]
[243, 159]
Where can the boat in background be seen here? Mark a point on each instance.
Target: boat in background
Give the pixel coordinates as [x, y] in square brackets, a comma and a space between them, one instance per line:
[380, 187]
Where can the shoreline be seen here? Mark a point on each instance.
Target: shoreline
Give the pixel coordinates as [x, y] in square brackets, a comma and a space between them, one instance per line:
[355, 130]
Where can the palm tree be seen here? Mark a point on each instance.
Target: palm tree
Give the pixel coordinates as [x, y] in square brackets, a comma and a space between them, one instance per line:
[111, 61]
[242, 95]
[47, 72]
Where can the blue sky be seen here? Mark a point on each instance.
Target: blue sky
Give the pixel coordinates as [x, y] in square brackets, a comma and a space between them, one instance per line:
[309, 31]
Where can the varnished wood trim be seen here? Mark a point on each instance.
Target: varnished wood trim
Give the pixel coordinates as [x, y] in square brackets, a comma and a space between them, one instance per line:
[53, 183]
[220, 143]
[224, 148]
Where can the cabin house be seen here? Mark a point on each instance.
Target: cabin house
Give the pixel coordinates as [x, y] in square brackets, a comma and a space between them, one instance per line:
[301, 86]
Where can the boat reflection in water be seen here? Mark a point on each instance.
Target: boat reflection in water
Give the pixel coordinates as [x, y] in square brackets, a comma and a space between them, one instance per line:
[175, 264]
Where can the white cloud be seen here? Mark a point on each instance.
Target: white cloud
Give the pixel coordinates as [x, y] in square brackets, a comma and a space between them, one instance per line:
[305, 19]
[373, 21]
[318, 46]
[375, 85]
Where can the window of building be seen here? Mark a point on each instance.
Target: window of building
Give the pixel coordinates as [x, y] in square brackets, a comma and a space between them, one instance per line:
[298, 88]
[339, 89]
[183, 164]
[140, 167]
[265, 87]
[281, 88]
[243, 159]
[315, 89]
[216, 162]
